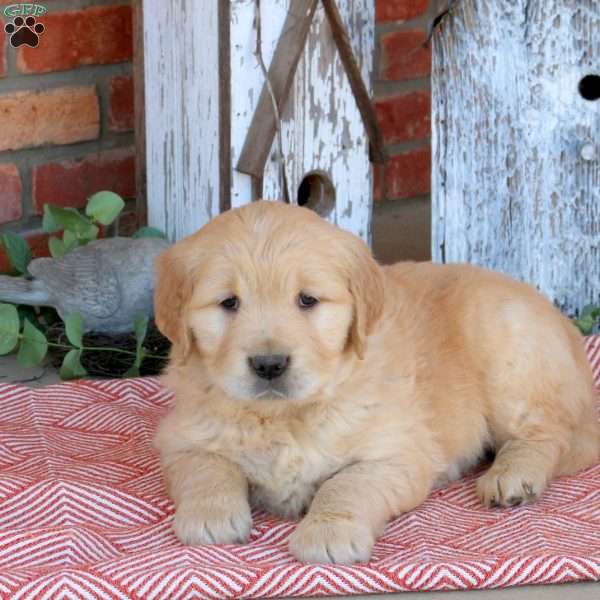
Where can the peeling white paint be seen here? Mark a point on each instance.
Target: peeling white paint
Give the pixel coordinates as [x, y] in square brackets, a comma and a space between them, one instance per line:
[182, 114]
[511, 190]
[322, 127]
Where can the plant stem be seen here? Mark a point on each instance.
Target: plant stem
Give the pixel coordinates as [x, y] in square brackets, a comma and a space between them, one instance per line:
[91, 348]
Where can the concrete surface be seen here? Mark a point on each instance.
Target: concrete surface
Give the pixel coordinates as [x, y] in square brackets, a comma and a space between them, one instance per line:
[568, 591]
[402, 230]
[11, 371]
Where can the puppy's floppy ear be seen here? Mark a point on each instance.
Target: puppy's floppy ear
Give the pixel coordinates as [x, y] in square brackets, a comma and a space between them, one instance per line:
[173, 289]
[366, 284]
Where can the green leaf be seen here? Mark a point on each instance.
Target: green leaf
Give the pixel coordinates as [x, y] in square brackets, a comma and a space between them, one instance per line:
[585, 324]
[70, 240]
[87, 236]
[26, 312]
[74, 329]
[33, 346]
[56, 218]
[18, 251]
[56, 247]
[144, 232]
[141, 329]
[133, 371]
[104, 207]
[9, 328]
[71, 367]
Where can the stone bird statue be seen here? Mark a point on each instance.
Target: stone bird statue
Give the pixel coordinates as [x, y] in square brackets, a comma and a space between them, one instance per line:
[107, 281]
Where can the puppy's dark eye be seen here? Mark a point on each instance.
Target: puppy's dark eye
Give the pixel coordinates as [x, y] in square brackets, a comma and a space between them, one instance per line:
[231, 304]
[305, 301]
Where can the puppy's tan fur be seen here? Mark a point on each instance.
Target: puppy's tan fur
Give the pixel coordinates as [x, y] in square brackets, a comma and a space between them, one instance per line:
[399, 378]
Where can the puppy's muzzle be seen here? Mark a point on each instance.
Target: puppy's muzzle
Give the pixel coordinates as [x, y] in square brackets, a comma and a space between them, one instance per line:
[269, 366]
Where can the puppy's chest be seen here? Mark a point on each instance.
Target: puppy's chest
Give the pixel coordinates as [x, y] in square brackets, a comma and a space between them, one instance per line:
[285, 469]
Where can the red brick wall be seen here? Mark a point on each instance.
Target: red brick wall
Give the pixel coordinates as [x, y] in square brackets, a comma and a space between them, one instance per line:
[401, 228]
[67, 112]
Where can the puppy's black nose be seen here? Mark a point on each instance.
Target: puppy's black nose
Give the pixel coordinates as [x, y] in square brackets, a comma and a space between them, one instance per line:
[269, 366]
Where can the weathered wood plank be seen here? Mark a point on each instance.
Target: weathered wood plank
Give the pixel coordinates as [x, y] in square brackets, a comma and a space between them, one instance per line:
[511, 190]
[182, 114]
[247, 80]
[322, 127]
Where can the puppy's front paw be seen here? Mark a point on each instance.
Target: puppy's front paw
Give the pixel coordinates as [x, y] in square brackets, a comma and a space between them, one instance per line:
[228, 522]
[510, 486]
[327, 539]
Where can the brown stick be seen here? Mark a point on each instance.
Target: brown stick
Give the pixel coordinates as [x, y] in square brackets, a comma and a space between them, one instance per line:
[263, 128]
[342, 40]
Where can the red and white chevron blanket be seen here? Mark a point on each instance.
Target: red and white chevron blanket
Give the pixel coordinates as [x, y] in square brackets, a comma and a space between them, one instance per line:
[84, 514]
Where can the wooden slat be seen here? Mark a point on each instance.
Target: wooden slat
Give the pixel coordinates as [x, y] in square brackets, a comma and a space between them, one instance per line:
[511, 190]
[182, 111]
[261, 134]
[361, 94]
[140, 113]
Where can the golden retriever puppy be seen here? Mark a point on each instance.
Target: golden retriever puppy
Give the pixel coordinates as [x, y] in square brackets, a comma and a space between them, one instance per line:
[313, 382]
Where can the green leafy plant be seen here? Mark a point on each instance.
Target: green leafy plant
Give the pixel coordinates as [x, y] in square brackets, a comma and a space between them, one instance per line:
[77, 229]
[101, 209]
[588, 319]
[24, 328]
[33, 345]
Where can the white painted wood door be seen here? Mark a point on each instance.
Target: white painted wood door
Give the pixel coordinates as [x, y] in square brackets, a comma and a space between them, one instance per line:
[516, 148]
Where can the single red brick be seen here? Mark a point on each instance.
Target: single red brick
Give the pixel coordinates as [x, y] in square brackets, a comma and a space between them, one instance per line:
[399, 10]
[72, 182]
[120, 114]
[403, 55]
[60, 115]
[10, 193]
[38, 242]
[92, 36]
[404, 118]
[408, 174]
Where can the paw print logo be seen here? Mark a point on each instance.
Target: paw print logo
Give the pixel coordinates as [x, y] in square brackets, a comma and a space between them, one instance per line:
[24, 32]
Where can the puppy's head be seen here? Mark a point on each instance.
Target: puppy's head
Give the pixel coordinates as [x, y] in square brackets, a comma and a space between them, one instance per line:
[269, 298]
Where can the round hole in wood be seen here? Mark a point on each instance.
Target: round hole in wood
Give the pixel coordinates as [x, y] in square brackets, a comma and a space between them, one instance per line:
[317, 193]
[589, 87]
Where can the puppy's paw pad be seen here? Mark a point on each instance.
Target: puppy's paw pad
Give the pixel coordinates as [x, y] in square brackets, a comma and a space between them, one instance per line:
[197, 524]
[507, 487]
[323, 541]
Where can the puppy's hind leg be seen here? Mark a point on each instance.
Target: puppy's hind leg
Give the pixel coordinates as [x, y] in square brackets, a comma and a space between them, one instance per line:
[544, 439]
[520, 472]
[540, 408]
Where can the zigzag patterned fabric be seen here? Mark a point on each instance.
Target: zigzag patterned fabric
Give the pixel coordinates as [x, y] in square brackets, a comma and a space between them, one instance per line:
[84, 514]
